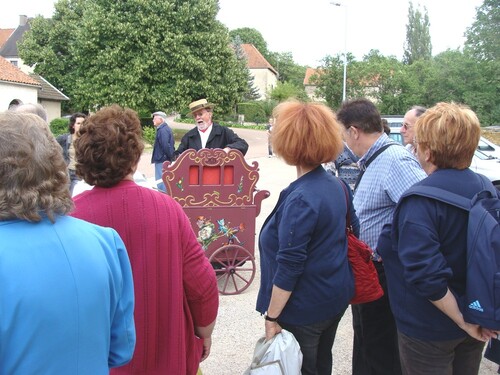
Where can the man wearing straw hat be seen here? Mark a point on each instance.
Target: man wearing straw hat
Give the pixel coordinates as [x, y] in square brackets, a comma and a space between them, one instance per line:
[208, 134]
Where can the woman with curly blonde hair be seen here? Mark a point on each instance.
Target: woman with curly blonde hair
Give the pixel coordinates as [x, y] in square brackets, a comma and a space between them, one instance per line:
[67, 295]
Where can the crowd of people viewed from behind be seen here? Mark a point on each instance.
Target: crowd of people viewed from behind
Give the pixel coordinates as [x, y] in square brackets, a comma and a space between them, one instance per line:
[114, 280]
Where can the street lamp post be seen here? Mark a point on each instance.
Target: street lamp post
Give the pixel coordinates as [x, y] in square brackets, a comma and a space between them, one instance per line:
[345, 49]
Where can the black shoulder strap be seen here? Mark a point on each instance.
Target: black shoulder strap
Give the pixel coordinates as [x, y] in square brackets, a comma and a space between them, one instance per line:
[372, 158]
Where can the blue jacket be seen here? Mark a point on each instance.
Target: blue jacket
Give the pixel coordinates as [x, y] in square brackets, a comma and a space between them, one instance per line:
[427, 255]
[66, 298]
[64, 141]
[163, 148]
[303, 249]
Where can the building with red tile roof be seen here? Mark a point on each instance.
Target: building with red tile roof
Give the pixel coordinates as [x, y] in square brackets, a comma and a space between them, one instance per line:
[265, 76]
[310, 85]
[18, 83]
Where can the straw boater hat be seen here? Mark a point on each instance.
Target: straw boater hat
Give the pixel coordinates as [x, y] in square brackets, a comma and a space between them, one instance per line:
[200, 104]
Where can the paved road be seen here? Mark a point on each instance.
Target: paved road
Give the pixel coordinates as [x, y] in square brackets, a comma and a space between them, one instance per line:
[238, 324]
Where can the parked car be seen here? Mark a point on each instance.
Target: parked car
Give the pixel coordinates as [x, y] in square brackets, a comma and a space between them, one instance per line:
[394, 121]
[489, 148]
[482, 163]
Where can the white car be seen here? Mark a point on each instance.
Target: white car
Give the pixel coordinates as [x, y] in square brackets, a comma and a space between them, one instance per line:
[488, 166]
[482, 163]
[489, 148]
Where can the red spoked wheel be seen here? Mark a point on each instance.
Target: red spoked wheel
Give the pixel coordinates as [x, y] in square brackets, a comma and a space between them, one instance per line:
[234, 268]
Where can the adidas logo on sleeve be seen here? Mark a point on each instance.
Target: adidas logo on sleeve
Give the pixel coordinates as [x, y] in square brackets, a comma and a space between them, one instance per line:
[476, 306]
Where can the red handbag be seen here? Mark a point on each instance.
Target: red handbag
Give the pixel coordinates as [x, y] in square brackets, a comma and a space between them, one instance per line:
[366, 284]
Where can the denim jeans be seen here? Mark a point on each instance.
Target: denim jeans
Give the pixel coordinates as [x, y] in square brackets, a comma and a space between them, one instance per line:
[452, 357]
[316, 342]
[158, 173]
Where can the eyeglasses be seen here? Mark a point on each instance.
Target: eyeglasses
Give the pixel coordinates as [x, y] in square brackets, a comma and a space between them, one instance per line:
[406, 126]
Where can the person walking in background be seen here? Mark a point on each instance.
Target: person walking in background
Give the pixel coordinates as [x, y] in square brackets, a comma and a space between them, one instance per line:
[389, 170]
[269, 133]
[175, 286]
[306, 280]
[66, 296]
[67, 143]
[163, 148]
[208, 134]
[407, 129]
[426, 266]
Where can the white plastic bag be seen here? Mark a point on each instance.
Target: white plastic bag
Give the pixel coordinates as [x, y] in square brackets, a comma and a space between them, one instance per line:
[279, 356]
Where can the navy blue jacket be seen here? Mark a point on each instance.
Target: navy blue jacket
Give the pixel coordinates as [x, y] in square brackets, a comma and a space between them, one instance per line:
[163, 148]
[303, 249]
[220, 137]
[65, 141]
[427, 255]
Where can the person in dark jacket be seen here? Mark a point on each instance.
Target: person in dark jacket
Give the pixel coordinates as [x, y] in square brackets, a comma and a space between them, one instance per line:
[208, 134]
[66, 142]
[163, 148]
[306, 281]
[426, 259]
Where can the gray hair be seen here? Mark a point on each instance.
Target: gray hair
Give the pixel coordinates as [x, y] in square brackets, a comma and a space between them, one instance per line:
[419, 110]
[35, 108]
[33, 177]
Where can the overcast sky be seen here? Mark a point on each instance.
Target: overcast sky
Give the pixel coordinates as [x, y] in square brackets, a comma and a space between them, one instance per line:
[313, 29]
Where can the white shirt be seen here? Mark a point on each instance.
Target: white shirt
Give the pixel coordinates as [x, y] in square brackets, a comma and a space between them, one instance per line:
[204, 136]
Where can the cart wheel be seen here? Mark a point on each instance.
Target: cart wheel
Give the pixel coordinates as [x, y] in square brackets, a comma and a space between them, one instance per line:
[234, 268]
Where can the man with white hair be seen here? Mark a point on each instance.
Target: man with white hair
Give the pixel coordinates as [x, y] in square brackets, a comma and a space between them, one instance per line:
[163, 148]
[207, 133]
[407, 128]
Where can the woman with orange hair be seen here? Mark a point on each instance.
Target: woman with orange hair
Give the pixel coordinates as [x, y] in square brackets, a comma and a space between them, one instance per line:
[306, 281]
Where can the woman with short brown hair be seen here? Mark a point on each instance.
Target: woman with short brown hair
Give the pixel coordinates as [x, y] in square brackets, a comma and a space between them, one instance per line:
[175, 285]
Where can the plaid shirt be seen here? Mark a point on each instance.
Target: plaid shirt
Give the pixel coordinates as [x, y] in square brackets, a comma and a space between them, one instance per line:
[384, 181]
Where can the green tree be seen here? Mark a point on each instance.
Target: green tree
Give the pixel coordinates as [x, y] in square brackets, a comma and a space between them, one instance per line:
[287, 90]
[252, 92]
[483, 36]
[48, 45]
[379, 78]
[331, 81]
[418, 38]
[251, 36]
[459, 77]
[141, 54]
[288, 70]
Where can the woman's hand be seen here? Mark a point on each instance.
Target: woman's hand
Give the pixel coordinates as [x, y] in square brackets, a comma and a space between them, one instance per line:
[479, 333]
[272, 329]
[207, 344]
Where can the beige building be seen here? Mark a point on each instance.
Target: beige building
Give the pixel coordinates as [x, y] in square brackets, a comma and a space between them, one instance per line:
[310, 86]
[18, 83]
[265, 76]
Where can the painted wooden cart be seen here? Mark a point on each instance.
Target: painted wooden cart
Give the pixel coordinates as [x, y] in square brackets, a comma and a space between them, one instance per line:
[218, 192]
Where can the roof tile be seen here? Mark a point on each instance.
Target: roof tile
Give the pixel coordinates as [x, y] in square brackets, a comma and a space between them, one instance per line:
[11, 73]
[255, 60]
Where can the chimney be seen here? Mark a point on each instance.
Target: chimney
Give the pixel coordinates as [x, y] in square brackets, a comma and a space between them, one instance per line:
[23, 20]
